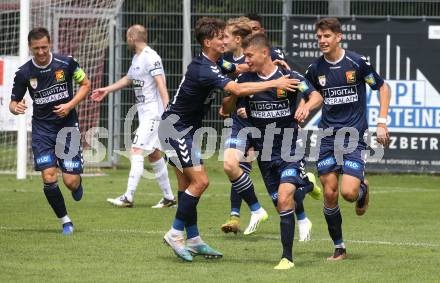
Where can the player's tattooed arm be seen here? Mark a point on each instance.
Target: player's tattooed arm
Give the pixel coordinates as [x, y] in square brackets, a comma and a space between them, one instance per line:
[62, 110]
[249, 88]
[304, 108]
[383, 136]
[100, 93]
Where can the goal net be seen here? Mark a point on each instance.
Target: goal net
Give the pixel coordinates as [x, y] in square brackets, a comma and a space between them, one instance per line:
[80, 28]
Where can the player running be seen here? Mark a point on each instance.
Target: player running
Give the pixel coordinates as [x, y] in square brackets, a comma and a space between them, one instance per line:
[283, 179]
[179, 135]
[235, 148]
[147, 76]
[55, 130]
[340, 76]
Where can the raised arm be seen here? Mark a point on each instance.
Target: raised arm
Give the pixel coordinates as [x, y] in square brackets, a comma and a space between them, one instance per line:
[100, 93]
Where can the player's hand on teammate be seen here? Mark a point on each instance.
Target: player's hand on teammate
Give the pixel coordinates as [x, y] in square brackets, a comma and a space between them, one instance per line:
[20, 108]
[286, 83]
[282, 64]
[62, 110]
[99, 94]
[301, 114]
[242, 112]
[382, 135]
[222, 114]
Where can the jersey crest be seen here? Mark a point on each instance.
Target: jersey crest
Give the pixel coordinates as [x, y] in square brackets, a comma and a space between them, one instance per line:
[33, 82]
[321, 80]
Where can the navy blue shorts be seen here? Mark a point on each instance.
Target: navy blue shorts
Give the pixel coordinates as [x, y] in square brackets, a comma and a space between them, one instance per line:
[64, 152]
[182, 152]
[352, 164]
[277, 172]
[241, 142]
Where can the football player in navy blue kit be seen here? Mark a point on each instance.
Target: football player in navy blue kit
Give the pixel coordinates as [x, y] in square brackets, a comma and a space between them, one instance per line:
[282, 173]
[234, 164]
[178, 134]
[235, 148]
[55, 130]
[341, 77]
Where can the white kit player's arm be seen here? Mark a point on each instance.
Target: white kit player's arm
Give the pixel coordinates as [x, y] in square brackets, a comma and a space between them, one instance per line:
[162, 88]
[100, 93]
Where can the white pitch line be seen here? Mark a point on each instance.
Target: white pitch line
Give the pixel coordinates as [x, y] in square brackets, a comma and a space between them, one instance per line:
[218, 235]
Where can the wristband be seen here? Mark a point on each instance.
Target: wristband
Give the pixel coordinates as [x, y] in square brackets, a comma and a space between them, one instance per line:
[381, 120]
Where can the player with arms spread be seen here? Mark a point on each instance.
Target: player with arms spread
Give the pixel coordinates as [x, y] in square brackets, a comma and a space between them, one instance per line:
[183, 117]
[55, 130]
[340, 76]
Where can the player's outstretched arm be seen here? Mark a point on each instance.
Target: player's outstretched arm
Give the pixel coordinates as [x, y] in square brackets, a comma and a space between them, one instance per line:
[383, 136]
[249, 88]
[304, 108]
[100, 93]
[17, 107]
[62, 110]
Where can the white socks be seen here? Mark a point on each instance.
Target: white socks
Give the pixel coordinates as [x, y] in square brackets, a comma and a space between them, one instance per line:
[136, 170]
[161, 171]
[64, 219]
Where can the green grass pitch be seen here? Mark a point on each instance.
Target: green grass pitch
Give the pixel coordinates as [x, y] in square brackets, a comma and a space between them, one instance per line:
[398, 240]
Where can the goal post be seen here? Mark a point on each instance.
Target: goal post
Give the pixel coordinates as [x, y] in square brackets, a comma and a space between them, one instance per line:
[80, 28]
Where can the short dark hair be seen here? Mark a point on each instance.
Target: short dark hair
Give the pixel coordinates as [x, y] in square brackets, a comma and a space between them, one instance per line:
[259, 39]
[255, 17]
[332, 24]
[38, 33]
[208, 28]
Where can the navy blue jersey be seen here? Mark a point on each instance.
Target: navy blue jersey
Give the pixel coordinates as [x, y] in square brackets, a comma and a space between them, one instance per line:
[229, 56]
[342, 85]
[48, 86]
[196, 91]
[274, 105]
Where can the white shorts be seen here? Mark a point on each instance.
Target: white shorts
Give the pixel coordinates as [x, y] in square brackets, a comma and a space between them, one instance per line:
[146, 136]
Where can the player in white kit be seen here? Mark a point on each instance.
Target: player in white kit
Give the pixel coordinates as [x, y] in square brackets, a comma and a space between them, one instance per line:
[147, 76]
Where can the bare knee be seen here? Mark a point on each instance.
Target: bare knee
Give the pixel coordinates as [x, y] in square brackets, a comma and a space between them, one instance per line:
[231, 168]
[72, 182]
[349, 194]
[154, 156]
[201, 183]
[49, 175]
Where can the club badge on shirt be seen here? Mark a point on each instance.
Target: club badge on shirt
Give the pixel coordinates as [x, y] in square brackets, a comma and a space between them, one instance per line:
[350, 76]
[59, 75]
[322, 80]
[33, 82]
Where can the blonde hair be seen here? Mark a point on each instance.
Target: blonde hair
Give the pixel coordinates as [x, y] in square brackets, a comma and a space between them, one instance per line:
[239, 26]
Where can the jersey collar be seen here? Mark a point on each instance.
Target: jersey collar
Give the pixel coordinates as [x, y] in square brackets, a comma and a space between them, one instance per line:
[237, 58]
[268, 76]
[337, 61]
[43, 67]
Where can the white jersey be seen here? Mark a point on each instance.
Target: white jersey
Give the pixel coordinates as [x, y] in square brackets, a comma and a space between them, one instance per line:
[144, 67]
